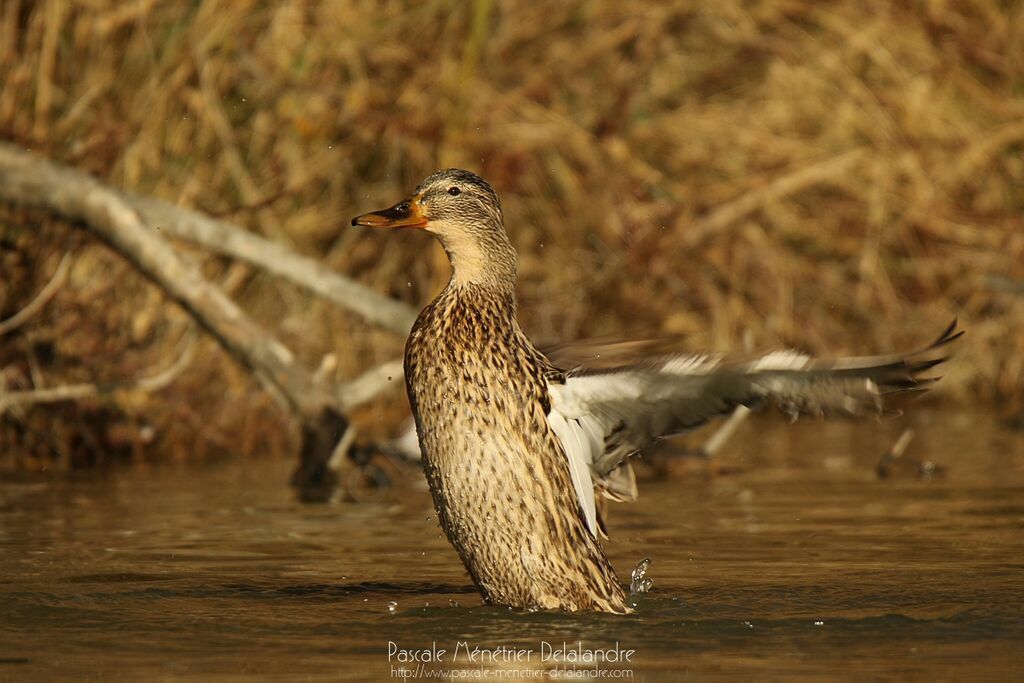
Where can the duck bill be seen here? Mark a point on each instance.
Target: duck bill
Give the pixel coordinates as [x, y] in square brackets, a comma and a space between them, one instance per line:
[407, 214]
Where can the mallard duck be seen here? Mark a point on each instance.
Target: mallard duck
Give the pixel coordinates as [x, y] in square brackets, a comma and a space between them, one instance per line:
[517, 452]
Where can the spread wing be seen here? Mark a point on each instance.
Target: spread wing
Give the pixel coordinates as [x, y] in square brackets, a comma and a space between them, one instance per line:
[602, 416]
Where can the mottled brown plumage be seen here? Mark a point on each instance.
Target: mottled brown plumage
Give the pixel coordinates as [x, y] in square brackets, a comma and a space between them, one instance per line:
[478, 388]
[514, 447]
[500, 481]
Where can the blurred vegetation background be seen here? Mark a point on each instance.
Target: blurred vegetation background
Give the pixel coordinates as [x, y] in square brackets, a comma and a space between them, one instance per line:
[843, 177]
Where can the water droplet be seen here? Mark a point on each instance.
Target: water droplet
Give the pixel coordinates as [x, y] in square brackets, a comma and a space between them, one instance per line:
[392, 607]
[640, 583]
[819, 623]
[748, 624]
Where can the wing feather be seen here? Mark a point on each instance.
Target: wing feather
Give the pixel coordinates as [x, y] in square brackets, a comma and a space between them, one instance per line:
[578, 451]
[631, 405]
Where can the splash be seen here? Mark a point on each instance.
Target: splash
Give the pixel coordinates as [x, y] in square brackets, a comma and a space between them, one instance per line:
[640, 583]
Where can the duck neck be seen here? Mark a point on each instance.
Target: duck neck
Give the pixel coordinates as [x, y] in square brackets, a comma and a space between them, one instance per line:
[486, 261]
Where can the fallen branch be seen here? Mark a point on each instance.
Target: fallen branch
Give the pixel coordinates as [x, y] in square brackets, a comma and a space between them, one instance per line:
[370, 383]
[900, 447]
[229, 240]
[895, 463]
[714, 444]
[37, 304]
[32, 181]
[78, 392]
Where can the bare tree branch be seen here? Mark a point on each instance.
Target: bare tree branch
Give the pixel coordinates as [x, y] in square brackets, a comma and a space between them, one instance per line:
[230, 240]
[30, 180]
[77, 392]
[33, 181]
[37, 304]
[370, 383]
[714, 444]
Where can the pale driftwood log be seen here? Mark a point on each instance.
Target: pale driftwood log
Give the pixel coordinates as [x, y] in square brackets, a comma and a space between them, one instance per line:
[230, 240]
[29, 180]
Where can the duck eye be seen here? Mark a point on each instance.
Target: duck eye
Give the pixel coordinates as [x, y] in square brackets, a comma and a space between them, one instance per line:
[454, 191]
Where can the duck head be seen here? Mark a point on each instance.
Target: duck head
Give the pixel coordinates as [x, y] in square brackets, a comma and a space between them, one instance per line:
[463, 212]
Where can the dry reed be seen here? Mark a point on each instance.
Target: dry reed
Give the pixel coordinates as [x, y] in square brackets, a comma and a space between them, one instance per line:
[844, 177]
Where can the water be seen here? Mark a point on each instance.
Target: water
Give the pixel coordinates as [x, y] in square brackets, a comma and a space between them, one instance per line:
[639, 581]
[789, 560]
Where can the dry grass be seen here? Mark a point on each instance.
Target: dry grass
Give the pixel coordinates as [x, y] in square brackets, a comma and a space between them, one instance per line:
[840, 176]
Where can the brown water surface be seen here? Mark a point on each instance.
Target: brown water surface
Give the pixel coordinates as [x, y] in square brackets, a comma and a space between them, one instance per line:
[795, 562]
